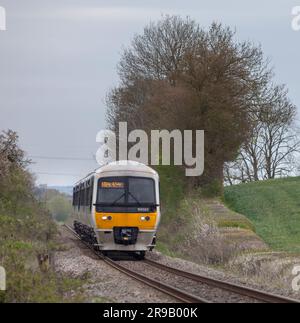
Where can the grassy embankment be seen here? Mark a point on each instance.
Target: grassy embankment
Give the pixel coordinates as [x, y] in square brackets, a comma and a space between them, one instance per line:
[197, 227]
[273, 207]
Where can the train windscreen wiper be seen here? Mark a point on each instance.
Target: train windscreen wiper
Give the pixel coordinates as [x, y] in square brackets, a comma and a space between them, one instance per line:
[138, 202]
[118, 199]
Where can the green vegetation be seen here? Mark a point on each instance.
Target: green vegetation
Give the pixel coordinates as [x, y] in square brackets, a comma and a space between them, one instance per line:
[273, 206]
[59, 205]
[27, 235]
[225, 218]
[172, 190]
[194, 226]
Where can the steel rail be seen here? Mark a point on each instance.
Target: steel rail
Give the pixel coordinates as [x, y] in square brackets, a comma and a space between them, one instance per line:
[234, 288]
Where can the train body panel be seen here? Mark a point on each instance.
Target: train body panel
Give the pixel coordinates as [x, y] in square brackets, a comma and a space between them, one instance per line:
[119, 205]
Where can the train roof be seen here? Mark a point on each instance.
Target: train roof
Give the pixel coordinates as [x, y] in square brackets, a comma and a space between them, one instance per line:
[126, 165]
[122, 165]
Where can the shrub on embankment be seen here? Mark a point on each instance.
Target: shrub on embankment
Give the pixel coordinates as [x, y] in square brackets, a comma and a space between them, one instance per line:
[27, 234]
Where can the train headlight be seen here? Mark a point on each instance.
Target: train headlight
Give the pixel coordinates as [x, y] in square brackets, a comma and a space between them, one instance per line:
[145, 218]
[107, 218]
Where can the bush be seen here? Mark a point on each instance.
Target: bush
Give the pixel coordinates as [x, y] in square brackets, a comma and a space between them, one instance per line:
[27, 234]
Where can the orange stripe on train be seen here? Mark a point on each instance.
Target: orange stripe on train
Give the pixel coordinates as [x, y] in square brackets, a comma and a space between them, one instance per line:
[107, 220]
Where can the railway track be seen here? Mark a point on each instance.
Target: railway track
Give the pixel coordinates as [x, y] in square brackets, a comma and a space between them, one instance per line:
[164, 288]
[183, 296]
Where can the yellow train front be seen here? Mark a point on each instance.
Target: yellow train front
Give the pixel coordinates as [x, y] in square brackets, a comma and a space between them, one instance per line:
[117, 207]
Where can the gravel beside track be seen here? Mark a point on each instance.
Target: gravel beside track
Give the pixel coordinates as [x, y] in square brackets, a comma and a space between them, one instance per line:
[105, 284]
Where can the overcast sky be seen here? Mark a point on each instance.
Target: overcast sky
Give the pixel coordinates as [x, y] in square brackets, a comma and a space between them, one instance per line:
[58, 60]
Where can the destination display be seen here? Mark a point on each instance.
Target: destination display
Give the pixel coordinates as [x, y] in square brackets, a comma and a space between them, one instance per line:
[112, 184]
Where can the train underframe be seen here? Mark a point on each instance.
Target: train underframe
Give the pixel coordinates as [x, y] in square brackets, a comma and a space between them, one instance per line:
[119, 239]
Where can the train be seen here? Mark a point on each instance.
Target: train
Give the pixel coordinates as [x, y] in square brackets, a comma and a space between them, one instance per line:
[116, 208]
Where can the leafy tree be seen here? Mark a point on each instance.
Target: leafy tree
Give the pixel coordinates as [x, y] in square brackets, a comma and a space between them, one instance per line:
[176, 75]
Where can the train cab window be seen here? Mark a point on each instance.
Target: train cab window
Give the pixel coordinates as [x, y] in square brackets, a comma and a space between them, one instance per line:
[111, 191]
[126, 190]
[141, 190]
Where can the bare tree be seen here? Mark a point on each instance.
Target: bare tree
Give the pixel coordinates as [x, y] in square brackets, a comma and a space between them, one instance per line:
[270, 152]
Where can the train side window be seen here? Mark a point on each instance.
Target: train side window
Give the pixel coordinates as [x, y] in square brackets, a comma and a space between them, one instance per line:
[78, 200]
[87, 195]
[76, 197]
[91, 194]
[82, 197]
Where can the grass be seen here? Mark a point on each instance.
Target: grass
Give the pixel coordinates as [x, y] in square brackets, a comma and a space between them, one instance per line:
[224, 217]
[273, 207]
